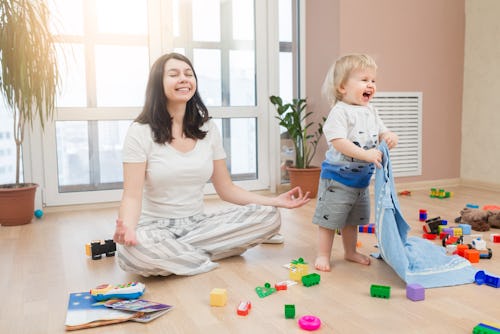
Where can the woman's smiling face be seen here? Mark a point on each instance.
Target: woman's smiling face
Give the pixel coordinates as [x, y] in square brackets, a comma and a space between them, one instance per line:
[179, 82]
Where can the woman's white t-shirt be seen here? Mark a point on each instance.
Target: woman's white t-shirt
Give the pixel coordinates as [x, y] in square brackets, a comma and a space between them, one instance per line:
[175, 180]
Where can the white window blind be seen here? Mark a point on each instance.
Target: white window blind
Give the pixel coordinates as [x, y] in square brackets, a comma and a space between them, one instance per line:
[402, 114]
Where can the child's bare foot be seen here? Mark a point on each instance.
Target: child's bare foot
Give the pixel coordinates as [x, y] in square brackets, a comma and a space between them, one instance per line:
[322, 263]
[358, 258]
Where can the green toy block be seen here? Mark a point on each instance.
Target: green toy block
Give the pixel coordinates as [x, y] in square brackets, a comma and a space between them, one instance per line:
[311, 279]
[289, 311]
[380, 291]
[264, 291]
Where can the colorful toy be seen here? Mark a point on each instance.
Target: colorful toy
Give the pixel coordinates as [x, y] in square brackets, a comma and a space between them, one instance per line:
[432, 225]
[309, 322]
[482, 278]
[311, 279]
[132, 290]
[478, 244]
[495, 238]
[486, 254]
[264, 291]
[289, 311]
[281, 286]
[429, 236]
[98, 247]
[244, 308]
[486, 328]
[450, 240]
[368, 228]
[415, 292]
[298, 268]
[38, 213]
[472, 255]
[218, 297]
[422, 215]
[435, 193]
[380, 291]
[404, 193]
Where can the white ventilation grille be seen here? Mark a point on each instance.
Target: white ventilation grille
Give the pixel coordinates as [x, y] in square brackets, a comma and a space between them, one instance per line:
[402, 114]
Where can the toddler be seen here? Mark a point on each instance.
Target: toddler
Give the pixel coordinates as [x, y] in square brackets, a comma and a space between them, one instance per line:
[353, 131]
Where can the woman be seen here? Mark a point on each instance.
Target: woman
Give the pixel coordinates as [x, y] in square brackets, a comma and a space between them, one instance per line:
[170, 152]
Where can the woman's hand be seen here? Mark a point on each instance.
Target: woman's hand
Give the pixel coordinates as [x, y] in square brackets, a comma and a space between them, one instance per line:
[124, 235]
[293, 198]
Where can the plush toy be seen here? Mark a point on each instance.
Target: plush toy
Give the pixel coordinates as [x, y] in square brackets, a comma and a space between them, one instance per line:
[480, 220]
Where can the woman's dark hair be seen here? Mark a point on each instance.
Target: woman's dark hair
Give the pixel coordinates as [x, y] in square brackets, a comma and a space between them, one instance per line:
[155, 112]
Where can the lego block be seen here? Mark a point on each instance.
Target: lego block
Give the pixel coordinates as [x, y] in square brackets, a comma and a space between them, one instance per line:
[264, 291]
[281, 286]
[298, 268]
[466, 229]
[478, 244]
[289, 311]
[495, 238]
[96, 248]
[311, 279]
[457, 231]
[218, 297]
[461, 249]
[244, 308]
[380, 291]
[472, 255]
[482, 278]
[429, 236]
[415, 292]
[422, 215]
[486, 254]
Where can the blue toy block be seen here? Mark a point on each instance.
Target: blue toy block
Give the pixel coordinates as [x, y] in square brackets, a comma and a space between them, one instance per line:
[482, 278]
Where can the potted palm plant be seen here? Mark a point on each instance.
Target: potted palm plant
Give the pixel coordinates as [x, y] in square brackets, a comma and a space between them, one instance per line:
[293, 117]
[29, 80]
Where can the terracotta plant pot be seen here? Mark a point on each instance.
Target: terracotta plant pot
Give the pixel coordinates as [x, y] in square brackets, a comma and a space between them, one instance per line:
[17, 203]
[305, 178]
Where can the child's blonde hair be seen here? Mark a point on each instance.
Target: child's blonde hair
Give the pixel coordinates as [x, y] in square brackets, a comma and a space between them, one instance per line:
[339, 72]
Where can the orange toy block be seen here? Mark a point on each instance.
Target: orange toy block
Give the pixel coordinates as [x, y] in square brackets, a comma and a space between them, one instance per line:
[472, 255]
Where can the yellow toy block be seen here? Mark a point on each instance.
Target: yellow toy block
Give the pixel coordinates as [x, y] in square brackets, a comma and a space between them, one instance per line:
[218, 297]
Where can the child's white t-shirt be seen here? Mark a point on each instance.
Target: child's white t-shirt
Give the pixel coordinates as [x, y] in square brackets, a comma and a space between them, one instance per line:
[360, 125]
[174, 180]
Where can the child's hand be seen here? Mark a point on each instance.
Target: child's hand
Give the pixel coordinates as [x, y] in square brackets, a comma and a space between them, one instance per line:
[391, 139]
[375, 156]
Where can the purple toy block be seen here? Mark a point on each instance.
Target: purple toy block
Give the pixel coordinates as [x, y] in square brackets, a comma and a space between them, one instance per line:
[415, 292]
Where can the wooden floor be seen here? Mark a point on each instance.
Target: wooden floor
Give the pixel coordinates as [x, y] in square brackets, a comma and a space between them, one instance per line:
[41, 263]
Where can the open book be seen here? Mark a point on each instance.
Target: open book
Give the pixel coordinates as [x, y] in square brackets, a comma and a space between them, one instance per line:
[85, 312]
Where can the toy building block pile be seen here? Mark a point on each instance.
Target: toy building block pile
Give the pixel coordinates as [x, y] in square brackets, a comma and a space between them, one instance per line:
[440, 193]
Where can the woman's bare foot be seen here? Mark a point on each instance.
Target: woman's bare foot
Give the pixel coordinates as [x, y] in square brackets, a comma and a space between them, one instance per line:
[358, 258]
[322, 263]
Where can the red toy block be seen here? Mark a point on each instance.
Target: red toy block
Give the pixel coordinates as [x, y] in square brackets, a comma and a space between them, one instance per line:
[429, 236]
[281, 286]
[244, 308]
[472, 255]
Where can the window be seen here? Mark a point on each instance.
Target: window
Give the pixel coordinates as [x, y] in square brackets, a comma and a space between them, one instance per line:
[106, 55]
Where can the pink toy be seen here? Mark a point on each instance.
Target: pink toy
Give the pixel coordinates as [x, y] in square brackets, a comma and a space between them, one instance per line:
[309, 322]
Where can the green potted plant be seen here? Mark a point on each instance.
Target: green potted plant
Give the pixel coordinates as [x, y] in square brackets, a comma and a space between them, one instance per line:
[293, 117]
[29, 80]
